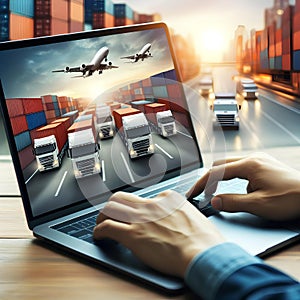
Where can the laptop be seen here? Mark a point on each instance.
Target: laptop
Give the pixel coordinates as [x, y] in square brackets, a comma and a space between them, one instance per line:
[91, 113]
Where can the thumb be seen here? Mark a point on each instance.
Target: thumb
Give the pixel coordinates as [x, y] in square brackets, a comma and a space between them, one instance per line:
[233, 202]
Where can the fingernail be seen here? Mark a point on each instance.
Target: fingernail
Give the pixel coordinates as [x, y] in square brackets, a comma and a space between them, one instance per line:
[216, 202]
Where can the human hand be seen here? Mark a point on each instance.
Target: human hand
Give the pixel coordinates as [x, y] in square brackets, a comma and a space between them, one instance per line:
[273, 191]
[165, 232]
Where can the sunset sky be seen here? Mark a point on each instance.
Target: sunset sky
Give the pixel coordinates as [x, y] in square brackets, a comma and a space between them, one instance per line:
[210, 24]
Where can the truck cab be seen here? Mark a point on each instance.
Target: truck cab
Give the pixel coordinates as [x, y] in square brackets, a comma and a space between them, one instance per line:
[225, 111]
[247, 88]
[137, 135]
[104, 121]
[84, 152]
[46, 152]
[166, 123]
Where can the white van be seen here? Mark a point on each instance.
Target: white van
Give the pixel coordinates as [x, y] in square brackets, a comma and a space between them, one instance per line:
[247, 88]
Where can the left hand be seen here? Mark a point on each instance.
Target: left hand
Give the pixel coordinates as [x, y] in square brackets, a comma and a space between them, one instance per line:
[165, 232]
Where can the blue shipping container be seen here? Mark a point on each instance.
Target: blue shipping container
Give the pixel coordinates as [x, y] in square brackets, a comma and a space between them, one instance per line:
[4, 6]
[148, 90]
[272, 63]
[103, 6]
[123, 11]
[55, 105]
[296, 60]
[57, 112]
[22, 140]
[160, 92]
[278, 62]
[171, 74]
[4, 26]
[22, 7]
[36, 120]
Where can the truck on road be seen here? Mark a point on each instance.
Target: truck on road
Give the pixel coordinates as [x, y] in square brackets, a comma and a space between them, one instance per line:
[104, 121]
[134, 130]
[161, 120]
[49, 145]
[84, 149]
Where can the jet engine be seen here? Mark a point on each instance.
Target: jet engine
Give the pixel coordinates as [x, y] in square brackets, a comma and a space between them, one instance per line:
[82, 67]
[67, 69]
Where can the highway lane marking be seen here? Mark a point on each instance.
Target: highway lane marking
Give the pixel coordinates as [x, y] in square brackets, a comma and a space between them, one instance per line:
[31, 176]
[127, 167]
[281, 104]
[164, 151]
[60, 184]
[103, 170]
[189, 136]
[282, 127]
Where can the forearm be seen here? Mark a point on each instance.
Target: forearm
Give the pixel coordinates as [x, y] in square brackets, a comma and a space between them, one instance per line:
[227, 270]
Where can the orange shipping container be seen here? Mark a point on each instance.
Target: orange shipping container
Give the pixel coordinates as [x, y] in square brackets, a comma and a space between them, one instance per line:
[296, 22]
[76, 9]
[59, 9]
[296, 40]
[75, 26]
[286, 62]
[20, 27]
[59, 26]
[19, 124]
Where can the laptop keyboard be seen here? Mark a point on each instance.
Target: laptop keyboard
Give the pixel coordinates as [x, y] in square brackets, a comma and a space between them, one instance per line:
[82, 227]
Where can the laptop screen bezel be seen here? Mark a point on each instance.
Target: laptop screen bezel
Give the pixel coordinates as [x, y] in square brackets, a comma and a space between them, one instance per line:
[37, 220]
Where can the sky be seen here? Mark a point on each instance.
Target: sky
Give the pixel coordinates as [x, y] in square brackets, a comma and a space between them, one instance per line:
[27, 72]
[210, 24]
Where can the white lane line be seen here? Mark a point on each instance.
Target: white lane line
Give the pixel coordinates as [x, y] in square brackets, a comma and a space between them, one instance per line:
[31, 176]
[281, 104]
[282, 127]
[165, 152]
[103, 170]
[60, 184]
[127, 167]
[189, 136]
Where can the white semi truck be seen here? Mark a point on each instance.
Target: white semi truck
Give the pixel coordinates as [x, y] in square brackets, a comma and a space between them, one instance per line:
[84, 149]
[135, 132]
[104, 121]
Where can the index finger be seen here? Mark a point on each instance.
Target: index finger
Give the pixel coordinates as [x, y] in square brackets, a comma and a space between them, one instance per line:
[233, 168]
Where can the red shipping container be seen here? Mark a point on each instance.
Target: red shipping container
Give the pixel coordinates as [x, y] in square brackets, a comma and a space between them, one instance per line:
[297, 6]
[59, 26]
[65, 121]
[75, 26]
[49, 106]
[272, 51]
[15, 107]
[174, 91]
[82, 125]
[286, 46]
[122, 112]
[56, 129]
[32, 105]
[296, 40]
[103, 20]
[50, 114]
[152, 109]
[19, 124]
[47, 99]
[296, 22]
[26, 157]
[146, 82]
[286, 62]
[164, 101]
[278, 49]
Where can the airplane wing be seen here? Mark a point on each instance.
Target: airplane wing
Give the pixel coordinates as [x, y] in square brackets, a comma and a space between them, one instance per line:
[129, 57]
[74, 69]
[107, 67]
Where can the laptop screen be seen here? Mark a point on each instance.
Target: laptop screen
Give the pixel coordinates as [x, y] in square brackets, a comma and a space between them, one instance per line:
[92, 113]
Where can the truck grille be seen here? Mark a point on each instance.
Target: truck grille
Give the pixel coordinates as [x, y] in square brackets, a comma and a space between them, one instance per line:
[169, 129]
[86, 166]
[226, 120]
[141, 147]
[47, 161]
[105, 131]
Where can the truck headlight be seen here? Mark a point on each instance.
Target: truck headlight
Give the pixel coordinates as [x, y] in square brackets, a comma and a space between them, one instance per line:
[40, 166]
[132, 153]
[111, 133]
[237, 119]
[77, 173]
[97, 167]
[256, 94]
[55, 163]
[151, 148]
[244, 94]
[101, 135]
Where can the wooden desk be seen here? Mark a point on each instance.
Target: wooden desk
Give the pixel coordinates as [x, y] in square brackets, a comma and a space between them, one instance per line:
[31, 271]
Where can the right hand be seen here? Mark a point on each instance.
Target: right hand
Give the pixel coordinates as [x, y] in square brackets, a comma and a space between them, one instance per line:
[273, 191]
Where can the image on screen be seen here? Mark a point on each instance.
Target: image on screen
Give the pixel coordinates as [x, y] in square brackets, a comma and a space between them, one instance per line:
[94, 115]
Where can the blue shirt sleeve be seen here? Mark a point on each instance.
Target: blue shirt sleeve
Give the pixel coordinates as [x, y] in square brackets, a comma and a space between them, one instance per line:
[228, 272]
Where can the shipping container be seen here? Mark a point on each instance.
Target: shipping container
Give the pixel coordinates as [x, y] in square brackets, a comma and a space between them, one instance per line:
[296, 22]
[296, 60]
[15, 107]
[20, 27]
[146, 82]
[26, 157]
[22, 140]
[171, 75]
[152, 109]
[83, 125]
[100, 6]
[296, 40]
[123, 11]
[22, 7]
[49, 98]
[297, 6]
[66, 121]
[286, 62]
[76, 10]
[158, 79]
[4, 26]
[147, 90]
[103, 20]
[59, 26]
[122, 112]
[122, 21]
[140, 105]
[73, 115]
[32, 105]
[174, 91]
[142, 18]
[36, 120]
[18, 124]
[160, 91]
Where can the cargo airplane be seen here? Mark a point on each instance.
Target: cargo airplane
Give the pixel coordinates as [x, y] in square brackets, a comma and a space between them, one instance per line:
[142, 54]
[96, 64]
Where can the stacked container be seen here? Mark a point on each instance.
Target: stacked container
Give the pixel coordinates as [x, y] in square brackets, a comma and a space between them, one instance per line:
[142, 18]
[51, 17]
[272, 45]
[51, 107]
[102, 14]
[264, 55]
[76, 15]
[4, 20]
[287, 20]
[123, 14]
[296, 37]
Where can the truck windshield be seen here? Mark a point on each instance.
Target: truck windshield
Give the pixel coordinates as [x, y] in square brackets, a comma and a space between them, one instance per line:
[137, 132]
[166, 120]
[44, 149]
[225, 107]
[82, 150]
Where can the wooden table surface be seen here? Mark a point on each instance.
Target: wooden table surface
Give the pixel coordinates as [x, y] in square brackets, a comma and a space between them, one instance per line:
[29, 270]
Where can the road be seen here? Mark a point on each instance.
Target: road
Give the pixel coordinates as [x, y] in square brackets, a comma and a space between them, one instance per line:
[269, 121]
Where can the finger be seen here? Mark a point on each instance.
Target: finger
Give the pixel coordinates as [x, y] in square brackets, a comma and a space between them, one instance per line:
[111, 229]
[234, 202]
[234, 169]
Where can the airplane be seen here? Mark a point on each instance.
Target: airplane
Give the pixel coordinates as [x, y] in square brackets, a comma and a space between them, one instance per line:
[142, 54]
[96, 64]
